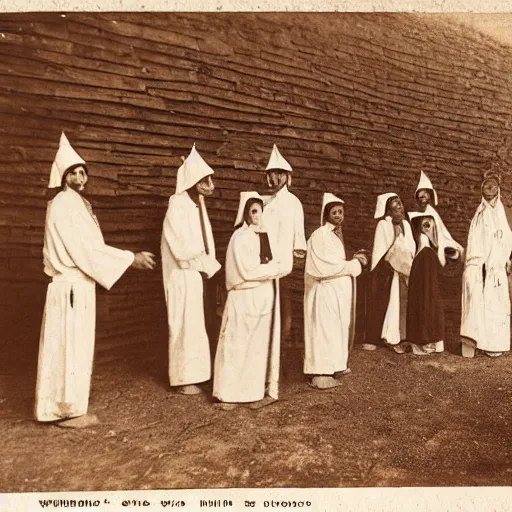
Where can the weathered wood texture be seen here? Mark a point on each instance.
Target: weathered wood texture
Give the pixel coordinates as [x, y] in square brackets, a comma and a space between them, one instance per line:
[358, 103]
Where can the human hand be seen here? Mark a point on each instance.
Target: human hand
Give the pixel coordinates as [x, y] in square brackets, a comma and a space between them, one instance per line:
[144, 261]
[362, 258]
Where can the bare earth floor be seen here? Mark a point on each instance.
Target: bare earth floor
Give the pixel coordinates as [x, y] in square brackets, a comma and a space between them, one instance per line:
[396, 421]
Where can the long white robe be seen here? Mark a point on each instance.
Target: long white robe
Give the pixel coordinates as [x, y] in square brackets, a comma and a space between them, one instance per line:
[248, 350]
[327, 303]
[184, 256]
[486, 306]
[76, 257]
[283, 214]
[393, 328]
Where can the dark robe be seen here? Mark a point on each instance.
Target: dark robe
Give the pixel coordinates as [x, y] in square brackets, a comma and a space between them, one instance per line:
[425, 312]
[378, 291]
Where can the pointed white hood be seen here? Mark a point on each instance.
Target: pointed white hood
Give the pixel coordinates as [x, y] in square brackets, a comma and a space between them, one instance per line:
[277, 161]
[382, 199]
[426, 183]
[328, 198]
[193, 170]
[65, 158]
[244, 197]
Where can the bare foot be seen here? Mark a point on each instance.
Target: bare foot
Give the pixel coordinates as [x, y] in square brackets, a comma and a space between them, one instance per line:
[190, 389]
[87, 420]
[324, 382]
[268, 400]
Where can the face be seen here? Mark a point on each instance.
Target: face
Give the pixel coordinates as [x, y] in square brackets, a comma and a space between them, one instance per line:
[423, 197]
[76, 178]
[396, 208]
[277, 179]
[205, 187]
[490, 189]
[427, 226]
[336, 214]
[254, 214]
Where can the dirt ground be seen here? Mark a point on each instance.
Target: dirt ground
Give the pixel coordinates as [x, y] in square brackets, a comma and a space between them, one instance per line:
[439, 420]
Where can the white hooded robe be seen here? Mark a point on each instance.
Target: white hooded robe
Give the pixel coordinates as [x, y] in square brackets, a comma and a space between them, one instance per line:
[184, 255]
[76, 257]
[249, 342]
[486, 304]
[327, 302]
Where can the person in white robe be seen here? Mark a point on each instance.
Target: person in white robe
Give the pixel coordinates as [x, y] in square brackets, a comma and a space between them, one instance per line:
[76, 258]
[426, 195]
[247, 356]
[284, 215]
[188, 254]
[485, 322]
[393, 252]
[329, 298]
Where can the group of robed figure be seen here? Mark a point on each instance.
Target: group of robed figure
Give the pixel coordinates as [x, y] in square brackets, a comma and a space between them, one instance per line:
[403, 299]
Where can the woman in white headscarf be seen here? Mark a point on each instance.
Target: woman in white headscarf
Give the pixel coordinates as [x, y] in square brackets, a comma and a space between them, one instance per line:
[485, 323]
[248, 350]
[328, 298]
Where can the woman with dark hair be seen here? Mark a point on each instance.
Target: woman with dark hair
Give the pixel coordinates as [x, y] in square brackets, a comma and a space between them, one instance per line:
[392, 255]
[425, 311]
[249, 341]
[329, 298]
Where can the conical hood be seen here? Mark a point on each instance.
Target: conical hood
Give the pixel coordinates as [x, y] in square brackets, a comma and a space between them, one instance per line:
[192, 171]
[277, 161]
[425, 183]
[65, 158]
[328, 198]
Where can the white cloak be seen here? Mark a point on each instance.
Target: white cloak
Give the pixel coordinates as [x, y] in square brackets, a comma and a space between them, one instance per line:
[76, 257]
[393, 328]
[283, 214]
[486, 306]
[328, 303]
[183, 258]
[249, 342]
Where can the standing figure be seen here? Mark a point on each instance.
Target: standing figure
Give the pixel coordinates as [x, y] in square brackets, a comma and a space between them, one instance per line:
[283, 214]
[425, 311]
[485, 323]
[188, 256]
[248, 350]
[329, 298]
[425, 196]
[393, 252]
[76, 258]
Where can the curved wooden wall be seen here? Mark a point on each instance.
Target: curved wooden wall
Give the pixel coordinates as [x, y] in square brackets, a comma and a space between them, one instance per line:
[358, 103]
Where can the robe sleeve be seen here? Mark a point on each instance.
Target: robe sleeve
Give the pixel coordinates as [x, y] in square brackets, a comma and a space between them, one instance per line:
[247, 259]
[299, 239]
[326, 260]
[101, 262]
[180, 237]
[380, 243]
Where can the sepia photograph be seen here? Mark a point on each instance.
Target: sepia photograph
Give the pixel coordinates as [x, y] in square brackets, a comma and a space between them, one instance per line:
[255, 250]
